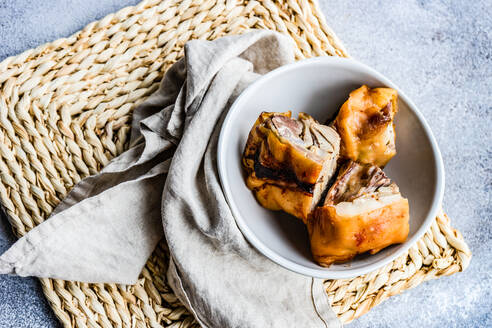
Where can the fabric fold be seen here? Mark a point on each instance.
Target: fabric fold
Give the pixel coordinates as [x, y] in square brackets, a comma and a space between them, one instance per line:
[167, 185]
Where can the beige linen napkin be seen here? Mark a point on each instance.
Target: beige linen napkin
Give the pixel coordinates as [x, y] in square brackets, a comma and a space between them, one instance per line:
[167, 185]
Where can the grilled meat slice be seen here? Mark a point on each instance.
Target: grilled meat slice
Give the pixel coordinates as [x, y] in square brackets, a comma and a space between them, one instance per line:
[365, 125]
[289, 162]
[363, 212]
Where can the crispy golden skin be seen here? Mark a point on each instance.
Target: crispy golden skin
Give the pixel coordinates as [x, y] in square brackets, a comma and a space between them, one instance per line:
[284, 156]
[255, 138]
[289, 162]
[275, 197]
[338, 238]
[365, 125]
[363, 212]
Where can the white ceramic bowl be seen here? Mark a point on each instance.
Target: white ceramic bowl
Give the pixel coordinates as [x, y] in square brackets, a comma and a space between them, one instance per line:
[319, 86]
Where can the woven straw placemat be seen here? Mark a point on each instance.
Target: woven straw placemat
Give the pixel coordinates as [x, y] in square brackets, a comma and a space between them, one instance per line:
[65, 112]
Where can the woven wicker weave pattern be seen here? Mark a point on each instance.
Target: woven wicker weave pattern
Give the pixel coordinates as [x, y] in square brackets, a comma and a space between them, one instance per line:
[65, 110]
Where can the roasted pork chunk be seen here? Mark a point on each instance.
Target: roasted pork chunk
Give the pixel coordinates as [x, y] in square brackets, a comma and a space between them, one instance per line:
[365, 125]
[290, 161]
[363, 212]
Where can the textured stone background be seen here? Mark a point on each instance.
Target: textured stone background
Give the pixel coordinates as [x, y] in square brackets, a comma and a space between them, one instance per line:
[439, 52]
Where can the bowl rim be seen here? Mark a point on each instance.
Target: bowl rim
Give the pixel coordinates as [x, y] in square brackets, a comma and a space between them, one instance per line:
[326, 273]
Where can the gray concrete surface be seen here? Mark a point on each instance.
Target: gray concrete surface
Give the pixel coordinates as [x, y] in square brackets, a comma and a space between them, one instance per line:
[439, 52]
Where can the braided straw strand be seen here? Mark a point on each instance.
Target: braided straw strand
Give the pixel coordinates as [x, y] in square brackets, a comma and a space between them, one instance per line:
[65, 112]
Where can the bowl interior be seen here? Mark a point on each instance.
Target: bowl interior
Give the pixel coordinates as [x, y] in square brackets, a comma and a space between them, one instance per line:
[319, 87]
